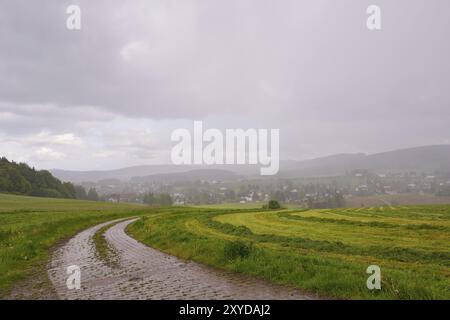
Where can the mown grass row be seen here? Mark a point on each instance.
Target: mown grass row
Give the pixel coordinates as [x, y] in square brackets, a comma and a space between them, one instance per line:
[377, 224]
[393, 253]
[310, 260]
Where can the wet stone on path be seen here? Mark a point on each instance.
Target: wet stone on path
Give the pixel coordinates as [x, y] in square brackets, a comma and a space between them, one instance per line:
[146, 273]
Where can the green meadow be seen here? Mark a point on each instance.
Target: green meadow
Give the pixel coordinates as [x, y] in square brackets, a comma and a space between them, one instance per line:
[323, 252]
[30, 227]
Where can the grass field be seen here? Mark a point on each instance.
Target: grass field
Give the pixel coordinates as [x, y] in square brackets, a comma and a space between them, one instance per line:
[322, 251]
[325, 252]
[30, 226]
[247, 205]
[396, 200]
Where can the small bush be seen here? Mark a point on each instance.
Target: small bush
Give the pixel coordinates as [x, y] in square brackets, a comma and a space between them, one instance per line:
[236, 249]
[274, 204]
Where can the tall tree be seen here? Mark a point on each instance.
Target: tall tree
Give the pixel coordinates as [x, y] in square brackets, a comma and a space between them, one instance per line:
[92, 194]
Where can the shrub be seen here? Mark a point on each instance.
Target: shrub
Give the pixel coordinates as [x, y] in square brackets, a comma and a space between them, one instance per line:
[274, 204]
[236, 249]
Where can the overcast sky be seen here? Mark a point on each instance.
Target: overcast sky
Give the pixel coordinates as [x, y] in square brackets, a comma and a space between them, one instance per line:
[110, 95]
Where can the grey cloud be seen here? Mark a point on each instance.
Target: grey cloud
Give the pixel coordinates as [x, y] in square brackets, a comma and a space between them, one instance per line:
[310, 68]
[24, 119]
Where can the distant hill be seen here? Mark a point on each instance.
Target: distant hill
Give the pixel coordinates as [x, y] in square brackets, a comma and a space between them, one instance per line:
[19, 178]
[201, 174]
[126, 174]
[121, 174]
[425, 159]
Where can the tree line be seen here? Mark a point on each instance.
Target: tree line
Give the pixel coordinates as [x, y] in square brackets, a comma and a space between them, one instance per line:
[159, 200]
[19, 178]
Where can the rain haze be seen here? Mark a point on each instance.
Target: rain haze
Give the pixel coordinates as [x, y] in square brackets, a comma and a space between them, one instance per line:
[109, 95]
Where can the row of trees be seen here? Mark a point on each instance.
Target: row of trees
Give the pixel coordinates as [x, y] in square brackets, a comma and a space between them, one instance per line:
[19, 178]
[334, 200]
[160, 200]
[81, 194]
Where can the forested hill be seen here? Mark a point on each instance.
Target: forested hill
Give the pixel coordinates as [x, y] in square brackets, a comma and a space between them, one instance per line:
[19, 178]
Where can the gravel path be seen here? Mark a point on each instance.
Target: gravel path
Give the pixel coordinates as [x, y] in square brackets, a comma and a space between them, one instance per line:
[146, 273]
